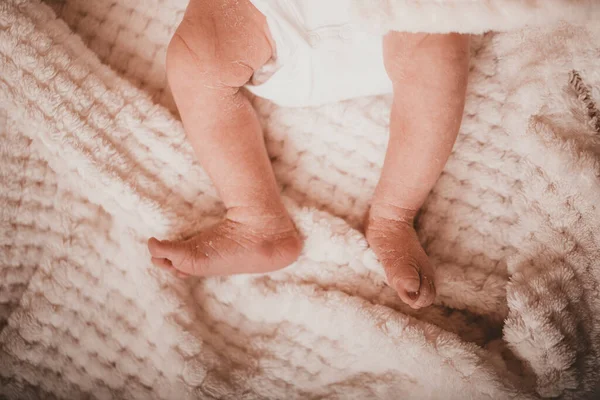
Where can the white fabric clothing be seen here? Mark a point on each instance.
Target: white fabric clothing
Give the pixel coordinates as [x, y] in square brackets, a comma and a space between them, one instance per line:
[320, 57]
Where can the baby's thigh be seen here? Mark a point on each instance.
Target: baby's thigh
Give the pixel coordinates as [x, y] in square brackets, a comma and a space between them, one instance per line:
[225, 38]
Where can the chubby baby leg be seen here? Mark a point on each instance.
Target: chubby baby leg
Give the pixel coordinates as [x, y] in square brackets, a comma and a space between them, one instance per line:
[214, 52]
[429, 73]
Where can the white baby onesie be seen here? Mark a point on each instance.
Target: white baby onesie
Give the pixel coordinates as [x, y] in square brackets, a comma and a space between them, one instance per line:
[319, 57]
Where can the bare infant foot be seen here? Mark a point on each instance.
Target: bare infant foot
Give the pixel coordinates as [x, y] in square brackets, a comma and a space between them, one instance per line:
[407, 267]
[242, 243]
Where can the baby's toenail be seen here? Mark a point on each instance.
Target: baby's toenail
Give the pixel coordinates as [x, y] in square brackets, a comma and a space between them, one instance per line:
[413, 295]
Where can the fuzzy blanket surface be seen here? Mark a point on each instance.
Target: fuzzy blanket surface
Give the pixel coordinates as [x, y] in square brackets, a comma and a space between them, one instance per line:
[93, 161]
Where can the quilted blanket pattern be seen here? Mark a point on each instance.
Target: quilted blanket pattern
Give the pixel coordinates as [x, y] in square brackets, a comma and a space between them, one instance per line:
[93, 161]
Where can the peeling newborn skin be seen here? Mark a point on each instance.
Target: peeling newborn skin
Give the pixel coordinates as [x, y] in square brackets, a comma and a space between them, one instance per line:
[220, 44]
[405, 263]
[230, 247]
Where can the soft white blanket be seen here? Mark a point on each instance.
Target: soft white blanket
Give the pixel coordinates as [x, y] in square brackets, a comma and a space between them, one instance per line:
[93, 161]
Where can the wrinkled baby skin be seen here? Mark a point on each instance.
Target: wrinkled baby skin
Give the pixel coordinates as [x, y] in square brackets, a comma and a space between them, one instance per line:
[214, 52]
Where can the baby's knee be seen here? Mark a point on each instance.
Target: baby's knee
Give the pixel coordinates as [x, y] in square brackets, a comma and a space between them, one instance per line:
[199, 51]
[193, 57]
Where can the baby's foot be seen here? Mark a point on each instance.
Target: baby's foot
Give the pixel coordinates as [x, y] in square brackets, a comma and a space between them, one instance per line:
[239, 244]
[408, 270]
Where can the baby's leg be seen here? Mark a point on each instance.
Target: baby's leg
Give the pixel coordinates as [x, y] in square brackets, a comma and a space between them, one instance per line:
[214, 52]
[429, 73]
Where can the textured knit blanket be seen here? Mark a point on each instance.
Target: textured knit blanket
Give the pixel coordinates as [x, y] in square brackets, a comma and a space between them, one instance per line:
[93, 161]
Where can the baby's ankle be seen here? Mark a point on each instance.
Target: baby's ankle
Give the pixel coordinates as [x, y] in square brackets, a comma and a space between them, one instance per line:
[380, 212]
[269, 219]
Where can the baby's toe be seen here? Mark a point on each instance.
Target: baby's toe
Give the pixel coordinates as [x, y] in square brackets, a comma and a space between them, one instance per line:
[158, 248]
[176, 254]
[405, 279]
[162, 263]
[413, 283]
[426, 293]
